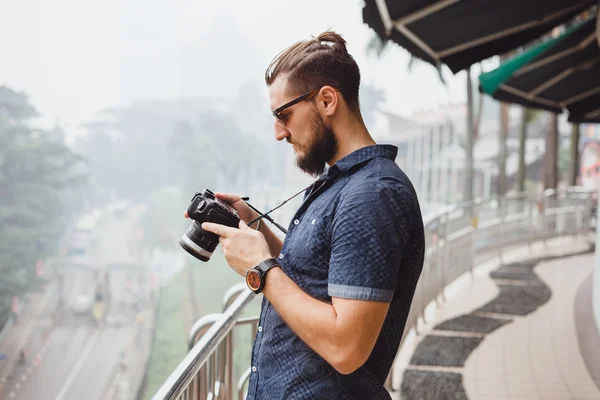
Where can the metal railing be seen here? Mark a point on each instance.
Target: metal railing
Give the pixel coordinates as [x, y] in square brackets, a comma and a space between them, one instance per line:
[457, 239]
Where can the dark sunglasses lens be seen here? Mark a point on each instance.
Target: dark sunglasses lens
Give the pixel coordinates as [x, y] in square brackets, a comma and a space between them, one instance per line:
[280, 118]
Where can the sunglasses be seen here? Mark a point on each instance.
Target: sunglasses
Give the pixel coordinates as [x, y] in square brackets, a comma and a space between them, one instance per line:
[283, 118]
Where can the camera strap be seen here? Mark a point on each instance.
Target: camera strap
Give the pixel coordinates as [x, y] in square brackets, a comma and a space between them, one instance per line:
[266, 215]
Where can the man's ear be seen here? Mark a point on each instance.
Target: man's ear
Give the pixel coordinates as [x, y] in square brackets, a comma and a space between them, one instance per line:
[328, 100]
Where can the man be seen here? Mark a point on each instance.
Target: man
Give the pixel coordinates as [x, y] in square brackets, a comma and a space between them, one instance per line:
[338, 290]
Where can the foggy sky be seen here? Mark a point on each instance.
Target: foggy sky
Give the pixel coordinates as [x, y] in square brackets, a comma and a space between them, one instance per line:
[77, 57]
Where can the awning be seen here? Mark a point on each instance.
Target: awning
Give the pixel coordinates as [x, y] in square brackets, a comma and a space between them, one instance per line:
[460, 33]
[561, 73]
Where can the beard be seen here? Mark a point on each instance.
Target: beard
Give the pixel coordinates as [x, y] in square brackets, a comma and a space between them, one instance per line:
[321, 147]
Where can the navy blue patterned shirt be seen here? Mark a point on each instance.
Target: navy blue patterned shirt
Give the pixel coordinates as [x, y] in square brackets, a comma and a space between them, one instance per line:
[357, 235]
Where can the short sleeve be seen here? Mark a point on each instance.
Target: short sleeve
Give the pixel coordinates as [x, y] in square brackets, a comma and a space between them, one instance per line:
[369, 232]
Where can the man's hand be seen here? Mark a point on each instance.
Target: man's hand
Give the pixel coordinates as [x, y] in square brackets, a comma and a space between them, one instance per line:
[244, 248]
[244, 211]
[247, 214]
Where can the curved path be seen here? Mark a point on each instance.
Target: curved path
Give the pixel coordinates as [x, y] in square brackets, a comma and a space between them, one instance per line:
[513, 334]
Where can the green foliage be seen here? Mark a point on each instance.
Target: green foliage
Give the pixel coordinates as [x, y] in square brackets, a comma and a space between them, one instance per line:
[127, 152]
[37, 175]
[163, 223]
[149, 144]
[371, 100]
[564, 159]
[170, 337]
[531, 114]
[208, 295]
[215, 153]
[376, 46]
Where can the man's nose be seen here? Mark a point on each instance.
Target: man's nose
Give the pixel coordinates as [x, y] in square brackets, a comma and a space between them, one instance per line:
[280, 131]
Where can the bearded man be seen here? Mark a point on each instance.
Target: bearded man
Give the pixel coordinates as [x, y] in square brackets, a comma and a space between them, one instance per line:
[338, 289]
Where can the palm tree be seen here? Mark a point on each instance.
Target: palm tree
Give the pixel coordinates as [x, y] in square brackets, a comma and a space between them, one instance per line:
[574, 156]
[468, 189]
[551, 157]
[377, 47]
[528, 115]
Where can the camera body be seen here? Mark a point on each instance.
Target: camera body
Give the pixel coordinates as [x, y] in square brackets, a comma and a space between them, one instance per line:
[205, 207]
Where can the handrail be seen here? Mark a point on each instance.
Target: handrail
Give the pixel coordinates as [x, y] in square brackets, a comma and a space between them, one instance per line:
[186, 371]
[232, 293]
[458, 237]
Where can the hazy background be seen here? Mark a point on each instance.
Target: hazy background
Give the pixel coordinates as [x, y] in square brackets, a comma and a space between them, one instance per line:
[76, 58]
[113, 114]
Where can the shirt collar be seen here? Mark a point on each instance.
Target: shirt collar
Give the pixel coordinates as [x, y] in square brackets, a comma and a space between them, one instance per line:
[359, 156]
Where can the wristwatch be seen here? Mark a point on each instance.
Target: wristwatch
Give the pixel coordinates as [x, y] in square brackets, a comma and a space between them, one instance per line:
[255, 277]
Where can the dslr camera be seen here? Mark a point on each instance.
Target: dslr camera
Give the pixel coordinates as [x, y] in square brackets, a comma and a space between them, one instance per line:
[205, 207]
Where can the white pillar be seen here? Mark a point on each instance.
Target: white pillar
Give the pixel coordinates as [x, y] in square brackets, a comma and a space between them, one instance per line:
[426, 165]
[455, 166]
[596, 289]
[487, 183]
[435, 163]
[445, 165]
[410, 158]
[418, 165]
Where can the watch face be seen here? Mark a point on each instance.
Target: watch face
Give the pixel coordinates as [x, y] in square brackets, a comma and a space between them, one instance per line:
[253, 279]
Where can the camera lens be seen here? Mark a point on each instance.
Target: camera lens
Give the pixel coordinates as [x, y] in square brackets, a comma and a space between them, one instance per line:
[204, 207]
[198, 242]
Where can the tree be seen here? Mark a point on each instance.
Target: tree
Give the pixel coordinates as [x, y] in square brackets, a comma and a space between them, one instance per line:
[215, 154]
[468, 188]
[38, 173]
[551, 156]
[574, 156]
[371, 99]
[528, 115]
[127, 148]
[503, 135]
[376, 47]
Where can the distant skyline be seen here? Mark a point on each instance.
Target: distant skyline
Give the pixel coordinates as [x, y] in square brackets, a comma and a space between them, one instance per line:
[75, 58]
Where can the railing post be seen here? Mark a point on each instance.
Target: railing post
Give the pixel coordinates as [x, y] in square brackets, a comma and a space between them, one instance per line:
[474, 226]
[591, 211]
[229, 370]
[531, 227]
[242, 382]
[200, 327]
[232, 294]
[502, 222]
[426, 284]
[203, 382]
[207, 371]
[438, 263]
[442, 238]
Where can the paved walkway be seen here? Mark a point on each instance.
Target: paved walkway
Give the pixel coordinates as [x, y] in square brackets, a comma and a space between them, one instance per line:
[26, 333]
[534, 356]
[537, 356]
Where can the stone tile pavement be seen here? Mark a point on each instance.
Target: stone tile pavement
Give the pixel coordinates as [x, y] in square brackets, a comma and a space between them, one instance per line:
[536, 356]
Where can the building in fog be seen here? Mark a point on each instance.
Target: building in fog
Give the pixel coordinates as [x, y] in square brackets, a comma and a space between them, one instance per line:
[431, 150]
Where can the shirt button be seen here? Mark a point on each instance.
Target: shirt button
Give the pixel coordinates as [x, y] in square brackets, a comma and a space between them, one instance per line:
[260, 328]
[296, 222]
[313, 221]
[253, 368]
[281, 255]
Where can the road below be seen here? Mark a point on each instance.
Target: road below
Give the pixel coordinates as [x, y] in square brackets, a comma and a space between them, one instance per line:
[74, 357]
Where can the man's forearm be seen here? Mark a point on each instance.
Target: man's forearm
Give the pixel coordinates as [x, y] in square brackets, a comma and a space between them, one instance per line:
[275, 244]
[314, 321]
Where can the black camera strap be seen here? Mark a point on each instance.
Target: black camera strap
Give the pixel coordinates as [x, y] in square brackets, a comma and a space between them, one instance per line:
[266, 215]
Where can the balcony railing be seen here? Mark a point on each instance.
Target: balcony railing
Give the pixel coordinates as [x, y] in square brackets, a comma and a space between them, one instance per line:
[457, 239]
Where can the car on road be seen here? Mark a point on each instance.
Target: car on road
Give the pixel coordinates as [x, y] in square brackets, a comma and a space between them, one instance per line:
[82, 304]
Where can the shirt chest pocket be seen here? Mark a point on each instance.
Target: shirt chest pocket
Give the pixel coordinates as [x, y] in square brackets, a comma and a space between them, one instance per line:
[311, 247]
